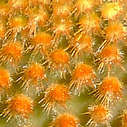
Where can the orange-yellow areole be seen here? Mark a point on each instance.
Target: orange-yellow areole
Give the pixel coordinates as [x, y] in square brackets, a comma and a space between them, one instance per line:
[55, 94]
[65, 120]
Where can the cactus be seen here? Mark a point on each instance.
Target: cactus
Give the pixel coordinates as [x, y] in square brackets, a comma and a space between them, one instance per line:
[63, 63]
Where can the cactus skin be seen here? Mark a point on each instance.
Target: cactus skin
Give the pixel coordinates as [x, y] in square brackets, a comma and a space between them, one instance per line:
[65, 61]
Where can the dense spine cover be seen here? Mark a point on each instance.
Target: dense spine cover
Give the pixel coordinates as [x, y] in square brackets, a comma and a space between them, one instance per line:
[63, 63]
